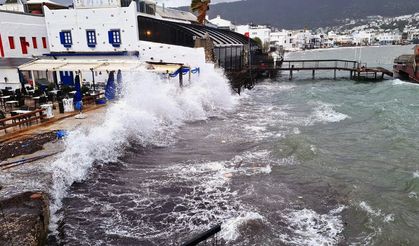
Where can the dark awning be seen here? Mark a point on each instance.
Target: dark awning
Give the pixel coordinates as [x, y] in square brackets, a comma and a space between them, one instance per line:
[13, 62]
[220, 37]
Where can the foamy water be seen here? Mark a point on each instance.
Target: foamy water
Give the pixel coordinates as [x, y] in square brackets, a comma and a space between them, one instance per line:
[294, 163]
[149, 113]
[311, 228]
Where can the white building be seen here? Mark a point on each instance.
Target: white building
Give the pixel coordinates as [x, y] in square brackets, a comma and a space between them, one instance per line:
[284, 39]
[301, 39]
[223, 23]
[23, 35]
[262, 32]
[111, 30]
[362, 38]
[389, 38]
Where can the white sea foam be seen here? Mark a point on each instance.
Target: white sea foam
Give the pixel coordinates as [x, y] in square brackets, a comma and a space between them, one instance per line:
[401, 82]
[413, 195]
[150, 110]
[376, 212]
[231, 228]
[398, 82]
[416, 174]
[325, 113]
[311, 228]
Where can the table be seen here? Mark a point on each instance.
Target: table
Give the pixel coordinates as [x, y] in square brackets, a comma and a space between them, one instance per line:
[11, 104]
[3, 100]
[21, 111]
[36, 100]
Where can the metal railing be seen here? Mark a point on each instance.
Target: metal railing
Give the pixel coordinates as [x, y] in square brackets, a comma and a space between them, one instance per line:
[21, 119]
[206, 238]
[320, 64]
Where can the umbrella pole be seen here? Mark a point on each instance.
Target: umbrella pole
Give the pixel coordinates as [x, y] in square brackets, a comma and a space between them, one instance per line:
[93, 78]
[33, 80]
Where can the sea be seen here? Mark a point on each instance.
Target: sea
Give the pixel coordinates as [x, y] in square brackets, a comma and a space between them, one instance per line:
[302, 162]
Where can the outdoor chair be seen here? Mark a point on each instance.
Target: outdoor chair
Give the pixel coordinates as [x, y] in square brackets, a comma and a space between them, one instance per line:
[50, 97]
[43, 100]
[5, 92]
[2, 116]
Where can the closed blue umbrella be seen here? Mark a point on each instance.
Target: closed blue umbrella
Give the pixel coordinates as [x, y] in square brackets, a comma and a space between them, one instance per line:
[110, 86]
[119, 84]
[78, 97]
[22, 81]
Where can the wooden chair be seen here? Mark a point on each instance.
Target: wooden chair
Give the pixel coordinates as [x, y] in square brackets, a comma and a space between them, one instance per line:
[2, 116]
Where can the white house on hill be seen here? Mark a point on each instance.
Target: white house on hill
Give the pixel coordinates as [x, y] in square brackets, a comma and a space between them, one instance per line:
[223, 24]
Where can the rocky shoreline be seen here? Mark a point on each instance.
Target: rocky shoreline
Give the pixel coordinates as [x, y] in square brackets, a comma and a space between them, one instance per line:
[29, 145]
[24, 214]
[25, 219]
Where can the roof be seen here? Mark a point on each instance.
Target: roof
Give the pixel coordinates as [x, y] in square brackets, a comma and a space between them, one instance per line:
[220, 37]
[405, 59]
[175, 14]
[47, 2]
[221, 22]
[13, 62]
[96, 65]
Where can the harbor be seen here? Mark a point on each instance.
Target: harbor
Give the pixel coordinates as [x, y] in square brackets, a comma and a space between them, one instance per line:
[137, 123]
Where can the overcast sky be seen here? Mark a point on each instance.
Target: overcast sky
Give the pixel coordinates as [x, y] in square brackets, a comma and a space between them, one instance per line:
[168, 3]
[176, 3]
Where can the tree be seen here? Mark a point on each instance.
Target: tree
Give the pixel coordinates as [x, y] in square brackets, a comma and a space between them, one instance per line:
[258, 41]
[201, 7]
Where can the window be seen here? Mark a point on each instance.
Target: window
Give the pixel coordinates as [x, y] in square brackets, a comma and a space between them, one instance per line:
[65, 38]
[34, 43]
[1, 47]
[147, 8]
[91, 38]
[11, 43]
[24, 45]
[115, 37]
[44, 42]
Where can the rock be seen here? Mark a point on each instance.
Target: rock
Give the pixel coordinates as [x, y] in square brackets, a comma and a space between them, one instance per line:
[24, 219]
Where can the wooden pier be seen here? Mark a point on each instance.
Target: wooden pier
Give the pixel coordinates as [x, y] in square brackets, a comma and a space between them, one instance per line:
[356, 70]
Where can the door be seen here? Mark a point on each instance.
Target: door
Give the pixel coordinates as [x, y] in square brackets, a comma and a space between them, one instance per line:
[67, 78]
[1, 48]
[24, 45]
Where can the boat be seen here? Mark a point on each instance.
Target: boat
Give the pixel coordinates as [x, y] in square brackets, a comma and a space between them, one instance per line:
[406, 67]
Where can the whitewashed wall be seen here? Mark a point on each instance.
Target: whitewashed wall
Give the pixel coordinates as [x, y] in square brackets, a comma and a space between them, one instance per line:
[101, 20]
[104, 19]
[155, 52]
[12, 77]
[22, 25]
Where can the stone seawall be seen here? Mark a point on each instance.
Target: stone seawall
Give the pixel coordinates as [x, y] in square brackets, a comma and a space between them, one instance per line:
[24, 219]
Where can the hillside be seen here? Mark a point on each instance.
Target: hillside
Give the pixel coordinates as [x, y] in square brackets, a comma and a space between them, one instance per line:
[309, 13]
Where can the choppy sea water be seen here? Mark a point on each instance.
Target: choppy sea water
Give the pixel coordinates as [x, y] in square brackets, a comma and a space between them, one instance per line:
[306, 162]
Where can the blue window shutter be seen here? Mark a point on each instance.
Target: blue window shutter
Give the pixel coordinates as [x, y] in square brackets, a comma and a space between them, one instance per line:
[62, 40]
[115, 38]
[110, 36]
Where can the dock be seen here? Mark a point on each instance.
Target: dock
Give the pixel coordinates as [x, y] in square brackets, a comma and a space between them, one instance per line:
[356, 71]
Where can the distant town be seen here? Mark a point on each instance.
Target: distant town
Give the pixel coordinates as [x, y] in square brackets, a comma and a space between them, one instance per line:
[374, 30]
